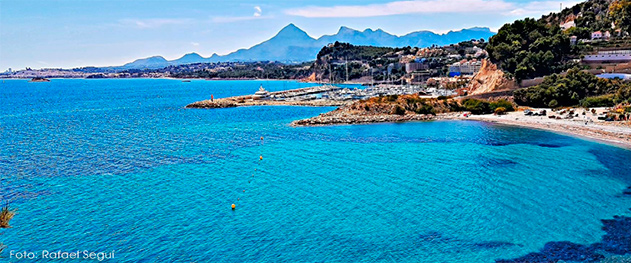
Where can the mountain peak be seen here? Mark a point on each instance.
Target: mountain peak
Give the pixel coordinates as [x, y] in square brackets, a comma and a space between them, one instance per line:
[192, 54]
[153, 59]
[292, 32]
[291, 28]
[345, 29]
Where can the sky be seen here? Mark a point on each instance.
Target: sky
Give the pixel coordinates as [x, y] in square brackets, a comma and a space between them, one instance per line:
[77, 33]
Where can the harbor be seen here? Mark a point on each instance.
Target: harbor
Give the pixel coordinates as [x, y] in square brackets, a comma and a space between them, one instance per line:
[325, 95]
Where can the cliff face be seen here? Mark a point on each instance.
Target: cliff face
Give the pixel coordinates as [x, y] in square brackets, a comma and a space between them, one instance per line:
[490, 79]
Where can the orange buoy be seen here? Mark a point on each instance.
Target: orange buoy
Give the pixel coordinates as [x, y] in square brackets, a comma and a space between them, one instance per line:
[261, 138]
[261, 158]
[233, 206]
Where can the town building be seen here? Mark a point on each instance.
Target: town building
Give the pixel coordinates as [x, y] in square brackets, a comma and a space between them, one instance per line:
[597, 35]
[568, 25]
[603, 57]
[464, 68]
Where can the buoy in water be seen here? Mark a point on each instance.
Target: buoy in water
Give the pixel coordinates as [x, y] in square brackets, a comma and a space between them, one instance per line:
[261, 158]
[261, 138]
[233, 206]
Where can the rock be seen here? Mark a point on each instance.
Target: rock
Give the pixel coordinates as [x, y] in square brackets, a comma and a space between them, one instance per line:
[489, 79]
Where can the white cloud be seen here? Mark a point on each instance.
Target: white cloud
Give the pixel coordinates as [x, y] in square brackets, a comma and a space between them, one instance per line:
[258, 14]
[257, 11]
[153, 23]
[195, 44]
[431, 7]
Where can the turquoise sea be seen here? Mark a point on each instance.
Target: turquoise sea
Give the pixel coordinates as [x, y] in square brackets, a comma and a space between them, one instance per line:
[121, 165]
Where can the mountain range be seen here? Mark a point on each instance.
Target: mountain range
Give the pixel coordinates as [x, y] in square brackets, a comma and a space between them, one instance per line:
[293, 44]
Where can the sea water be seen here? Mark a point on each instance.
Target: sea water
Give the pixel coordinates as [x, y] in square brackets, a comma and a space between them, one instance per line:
[121, 165]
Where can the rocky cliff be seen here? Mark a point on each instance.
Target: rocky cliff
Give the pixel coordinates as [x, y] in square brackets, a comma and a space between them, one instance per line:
[490, 79]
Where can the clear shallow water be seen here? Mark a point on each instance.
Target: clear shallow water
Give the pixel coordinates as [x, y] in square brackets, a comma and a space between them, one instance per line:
[121, 165]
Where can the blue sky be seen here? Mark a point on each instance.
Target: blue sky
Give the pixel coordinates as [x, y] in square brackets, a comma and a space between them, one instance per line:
[73, 33]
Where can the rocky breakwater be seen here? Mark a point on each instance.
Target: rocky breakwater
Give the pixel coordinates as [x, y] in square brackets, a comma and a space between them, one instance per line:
[213, 104]
[333, 118]
[382, 109]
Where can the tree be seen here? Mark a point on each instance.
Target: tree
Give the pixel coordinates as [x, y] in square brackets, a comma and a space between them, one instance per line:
[569, 90]
[529, 48]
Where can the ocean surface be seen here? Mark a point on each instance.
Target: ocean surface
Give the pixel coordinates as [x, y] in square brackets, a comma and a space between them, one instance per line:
[121, 165]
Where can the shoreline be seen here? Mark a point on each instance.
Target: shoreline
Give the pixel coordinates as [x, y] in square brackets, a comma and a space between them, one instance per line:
[610, 133]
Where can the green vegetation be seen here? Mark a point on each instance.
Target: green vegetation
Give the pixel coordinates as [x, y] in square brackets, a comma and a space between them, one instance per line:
[623, 95]
[253, 70]
[620, 14]
[569, 90]
[476, 106]
[398, 110]
[594, 15]
[507, 105]
[598, 101]
[529, 48]
[346, 51]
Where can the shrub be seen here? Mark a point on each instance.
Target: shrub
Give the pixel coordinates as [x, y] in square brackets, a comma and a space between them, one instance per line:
[598, 101]
[398, 110]
[507, 105]
[477, 106]
[426, 109]
[500, 111]
[623, 95]
[553, 104]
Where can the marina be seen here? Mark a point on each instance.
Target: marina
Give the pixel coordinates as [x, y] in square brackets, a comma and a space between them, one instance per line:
[324, 95]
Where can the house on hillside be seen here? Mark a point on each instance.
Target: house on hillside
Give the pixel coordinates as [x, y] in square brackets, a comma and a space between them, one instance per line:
[597, 35]
[568, 25]
[573, 40]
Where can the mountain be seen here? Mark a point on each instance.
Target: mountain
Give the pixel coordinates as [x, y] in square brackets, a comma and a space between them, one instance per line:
[189, 59]
[149, 63]
[293, 44]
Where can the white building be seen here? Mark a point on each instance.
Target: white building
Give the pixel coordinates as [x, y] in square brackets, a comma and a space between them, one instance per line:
[415, 66]
[597, 35]
[618, 56]
[568, 25]
[465, 68]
